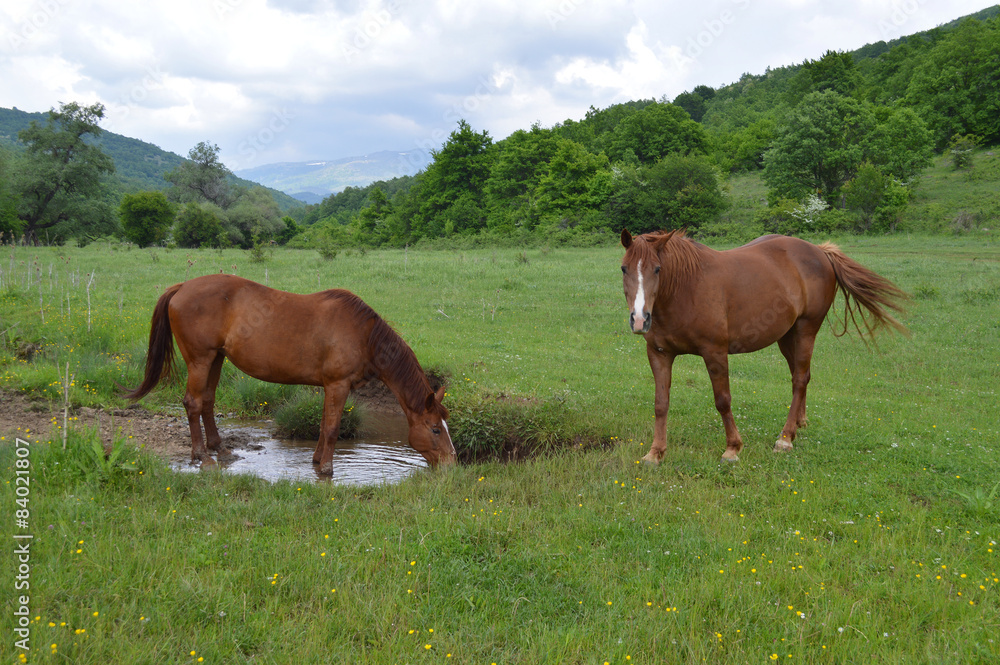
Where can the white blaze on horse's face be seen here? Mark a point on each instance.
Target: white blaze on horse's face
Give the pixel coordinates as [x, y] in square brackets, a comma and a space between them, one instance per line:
[640, 283]
[639, 313]
[429, 433]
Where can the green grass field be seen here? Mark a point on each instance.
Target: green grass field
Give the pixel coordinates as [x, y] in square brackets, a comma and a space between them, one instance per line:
[875, 540]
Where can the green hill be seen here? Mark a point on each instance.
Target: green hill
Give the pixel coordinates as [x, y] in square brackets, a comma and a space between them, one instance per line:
[139, 166]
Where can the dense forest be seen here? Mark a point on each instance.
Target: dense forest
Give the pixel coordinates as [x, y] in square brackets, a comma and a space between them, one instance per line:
[839, 144]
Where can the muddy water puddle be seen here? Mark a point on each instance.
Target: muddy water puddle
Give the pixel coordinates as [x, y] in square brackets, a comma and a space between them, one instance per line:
[380, 454]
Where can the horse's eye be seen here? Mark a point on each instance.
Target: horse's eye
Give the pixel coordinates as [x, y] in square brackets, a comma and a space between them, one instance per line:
[436, 430]
[656, 270]
[624, 269]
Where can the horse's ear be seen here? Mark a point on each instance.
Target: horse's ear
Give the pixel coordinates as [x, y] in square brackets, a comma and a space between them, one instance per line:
[439, 395]
[626, 238]
[665, 238]
[431, 401]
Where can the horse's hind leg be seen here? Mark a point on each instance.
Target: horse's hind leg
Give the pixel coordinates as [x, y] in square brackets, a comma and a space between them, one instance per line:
[797, 347]
[194, 401]
[214, 440]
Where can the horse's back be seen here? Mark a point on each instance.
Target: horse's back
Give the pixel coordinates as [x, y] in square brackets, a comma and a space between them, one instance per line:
[270, 334]
[777, 274]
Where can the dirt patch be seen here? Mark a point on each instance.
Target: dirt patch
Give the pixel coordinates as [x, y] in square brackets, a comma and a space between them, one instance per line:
[163, 434]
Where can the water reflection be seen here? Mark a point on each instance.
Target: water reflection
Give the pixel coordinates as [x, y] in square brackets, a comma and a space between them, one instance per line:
[380, 455]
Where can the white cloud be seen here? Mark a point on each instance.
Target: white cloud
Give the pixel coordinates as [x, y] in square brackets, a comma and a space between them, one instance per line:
[648, 70]
[365, 75]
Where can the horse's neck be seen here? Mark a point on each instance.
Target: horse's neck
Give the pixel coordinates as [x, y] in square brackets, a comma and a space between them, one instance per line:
[398, 369]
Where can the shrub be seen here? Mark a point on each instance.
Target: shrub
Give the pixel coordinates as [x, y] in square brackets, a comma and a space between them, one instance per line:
[301, 416]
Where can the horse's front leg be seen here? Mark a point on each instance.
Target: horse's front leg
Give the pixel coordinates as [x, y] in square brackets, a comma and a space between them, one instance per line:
[717, 363]
[662, 364]
[334, 398]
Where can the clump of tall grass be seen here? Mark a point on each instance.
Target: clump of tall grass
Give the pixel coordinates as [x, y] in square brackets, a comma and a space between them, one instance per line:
[300, 417]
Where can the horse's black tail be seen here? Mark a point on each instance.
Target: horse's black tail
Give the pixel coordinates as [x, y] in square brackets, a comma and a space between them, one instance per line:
[873, 295]
[160, 357]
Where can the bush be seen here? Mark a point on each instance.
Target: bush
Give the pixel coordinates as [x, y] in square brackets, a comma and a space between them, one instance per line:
[198, 225]
[962, 148]
[146, 217]
[301, 416]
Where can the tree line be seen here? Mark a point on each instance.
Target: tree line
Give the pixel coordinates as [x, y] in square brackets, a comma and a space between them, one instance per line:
[59, 187]
[840, 143]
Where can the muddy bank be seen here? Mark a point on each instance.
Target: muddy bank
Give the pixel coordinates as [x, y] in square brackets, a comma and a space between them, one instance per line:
[164, 434]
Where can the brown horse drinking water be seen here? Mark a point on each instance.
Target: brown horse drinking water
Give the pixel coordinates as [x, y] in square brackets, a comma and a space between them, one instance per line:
[686, 298]
[330, 339]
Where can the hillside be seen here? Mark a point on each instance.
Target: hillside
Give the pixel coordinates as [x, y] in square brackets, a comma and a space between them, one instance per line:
[139, 165]
[313, 181]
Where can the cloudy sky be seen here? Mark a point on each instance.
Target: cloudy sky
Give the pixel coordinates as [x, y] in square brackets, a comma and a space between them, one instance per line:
[302, 80]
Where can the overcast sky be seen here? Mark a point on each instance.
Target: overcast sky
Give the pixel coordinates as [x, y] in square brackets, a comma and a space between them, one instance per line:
[303, 80]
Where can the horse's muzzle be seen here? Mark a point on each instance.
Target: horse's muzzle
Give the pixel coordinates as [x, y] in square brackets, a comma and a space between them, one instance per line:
[647, 320]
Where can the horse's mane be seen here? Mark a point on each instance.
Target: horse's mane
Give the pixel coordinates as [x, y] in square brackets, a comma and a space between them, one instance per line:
[392, 359]
[679, 256]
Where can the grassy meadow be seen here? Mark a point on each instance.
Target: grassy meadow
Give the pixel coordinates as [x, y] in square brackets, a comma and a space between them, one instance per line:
[875, 540]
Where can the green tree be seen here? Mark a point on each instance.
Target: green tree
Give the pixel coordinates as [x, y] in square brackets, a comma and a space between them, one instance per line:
[523, 158]
[656, 131]
[962, 149]
[203, 177]
[820, 148]
[59, 177]
[291, 230]
[901, 145]
[253, 216]
[876, 198]
[370, 222]
[739, 150]
[835, 71]
[693, 103]
[146, 217]
[10, 225]
[827, 139]
[459, 172]
[956, 86]
[199, 225]
[677, 192]
[567, 188]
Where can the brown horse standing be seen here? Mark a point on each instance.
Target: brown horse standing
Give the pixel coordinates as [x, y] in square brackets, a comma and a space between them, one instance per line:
[330, 339]
[686, 298]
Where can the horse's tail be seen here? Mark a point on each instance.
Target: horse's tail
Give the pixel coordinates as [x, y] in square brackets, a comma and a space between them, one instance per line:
[160, 357]
[867, 295]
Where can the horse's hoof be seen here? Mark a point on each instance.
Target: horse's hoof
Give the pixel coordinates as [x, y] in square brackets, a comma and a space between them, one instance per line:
[326, 469]
[782, 446]
[730, 456]
[651, 459]
[208, 463]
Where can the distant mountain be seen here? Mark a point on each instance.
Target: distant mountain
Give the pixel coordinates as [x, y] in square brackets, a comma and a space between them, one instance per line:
[314, 181]
[139, 166]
